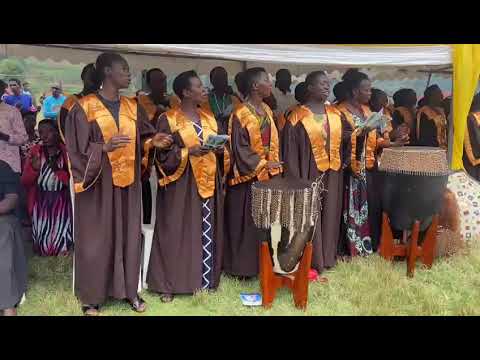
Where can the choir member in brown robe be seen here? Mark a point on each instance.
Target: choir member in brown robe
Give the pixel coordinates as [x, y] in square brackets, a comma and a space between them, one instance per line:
[221, 100]
[104, 133]
[471, 154]
[255, 157]
[431, 120]
[187, 249]
[362, 211]
[405, 101]
[90, 85]
[313, 143]
[155, 103]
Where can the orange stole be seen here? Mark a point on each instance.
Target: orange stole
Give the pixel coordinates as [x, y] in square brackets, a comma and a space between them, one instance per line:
[122, 160]
[371, 141]
[408, 118]
[204, 167]
[440, 122]
[148, 105]
[250, 122]
[323, 160]
[468, 144]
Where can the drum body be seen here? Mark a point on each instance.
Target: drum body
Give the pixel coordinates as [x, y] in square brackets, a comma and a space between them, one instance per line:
[288, 208]
[414, 183]
[407, 198]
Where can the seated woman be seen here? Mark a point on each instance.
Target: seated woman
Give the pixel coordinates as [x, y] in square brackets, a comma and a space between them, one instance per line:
[46, 177]
[255, 157]
[431, 120]
[471, 154]
[187, 248]
[13, 265]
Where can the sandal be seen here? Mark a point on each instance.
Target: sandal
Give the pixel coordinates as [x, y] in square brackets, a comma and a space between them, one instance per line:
[138, 305]
[166, 298]
[91, 310]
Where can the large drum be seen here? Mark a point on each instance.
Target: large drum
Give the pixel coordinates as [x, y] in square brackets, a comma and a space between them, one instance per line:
[288, 207]
[414, 183]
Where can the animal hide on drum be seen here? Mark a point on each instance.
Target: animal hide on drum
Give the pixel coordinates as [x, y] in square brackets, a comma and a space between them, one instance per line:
[288, 207]
[449, 238]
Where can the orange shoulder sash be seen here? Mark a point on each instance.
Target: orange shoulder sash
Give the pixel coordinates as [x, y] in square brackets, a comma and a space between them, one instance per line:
[204, 167]
[122, 160]
[440, 122]
[468, 144]
[249, 122]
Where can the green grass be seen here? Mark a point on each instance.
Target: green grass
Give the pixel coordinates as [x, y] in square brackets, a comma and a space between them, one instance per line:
[364, 286]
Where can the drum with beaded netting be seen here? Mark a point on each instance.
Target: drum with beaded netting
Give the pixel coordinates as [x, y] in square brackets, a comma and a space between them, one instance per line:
[415, 180]
[288, 207]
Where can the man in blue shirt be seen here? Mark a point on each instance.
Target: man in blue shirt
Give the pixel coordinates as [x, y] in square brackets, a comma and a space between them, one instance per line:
[21, 101]
[53, 103]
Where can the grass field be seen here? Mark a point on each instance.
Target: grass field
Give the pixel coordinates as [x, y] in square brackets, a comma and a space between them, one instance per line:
[365, 286]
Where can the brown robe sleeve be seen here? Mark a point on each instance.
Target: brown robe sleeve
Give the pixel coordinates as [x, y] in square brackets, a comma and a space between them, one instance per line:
[173, 161]
[84, 144]
[246, 160]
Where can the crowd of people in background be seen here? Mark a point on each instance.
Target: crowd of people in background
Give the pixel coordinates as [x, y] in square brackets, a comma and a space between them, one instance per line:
[103, 146]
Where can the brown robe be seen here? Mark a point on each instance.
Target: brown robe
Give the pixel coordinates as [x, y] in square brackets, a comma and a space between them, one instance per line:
[177, 255]
[243, 239]
[471, 153]
[107, 218]
[300, 161]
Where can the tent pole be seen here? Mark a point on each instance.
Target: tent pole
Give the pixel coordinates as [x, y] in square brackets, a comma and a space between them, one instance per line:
[450, 132]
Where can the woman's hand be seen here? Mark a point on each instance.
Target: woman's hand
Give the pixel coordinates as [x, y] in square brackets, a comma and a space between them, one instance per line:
[116, 142]
[162, 140]
[197, 151]
[220, 150]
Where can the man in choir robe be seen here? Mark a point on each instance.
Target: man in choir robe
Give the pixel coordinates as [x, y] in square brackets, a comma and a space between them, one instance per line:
[154, 103]
[431, 120]
[157, 101]
[471, 154]
[255, 157]
[90, 85]
[221, 100]
[104, 133]
[313, 145]
[187, 248]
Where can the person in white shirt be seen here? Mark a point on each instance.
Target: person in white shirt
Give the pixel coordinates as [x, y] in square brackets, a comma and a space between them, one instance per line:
[282, 92]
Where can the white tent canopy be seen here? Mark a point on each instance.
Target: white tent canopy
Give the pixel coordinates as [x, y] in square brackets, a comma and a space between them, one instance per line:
[378, 55]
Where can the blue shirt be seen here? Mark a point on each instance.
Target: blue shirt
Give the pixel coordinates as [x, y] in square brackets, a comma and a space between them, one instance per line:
[24, 100]
[51, 106]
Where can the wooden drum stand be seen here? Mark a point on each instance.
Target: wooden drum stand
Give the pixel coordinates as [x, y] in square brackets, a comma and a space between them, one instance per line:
[297, 282]
[409, 248]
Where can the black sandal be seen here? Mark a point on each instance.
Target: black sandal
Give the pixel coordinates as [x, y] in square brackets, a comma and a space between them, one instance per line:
[138, 305]
[90, 310]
